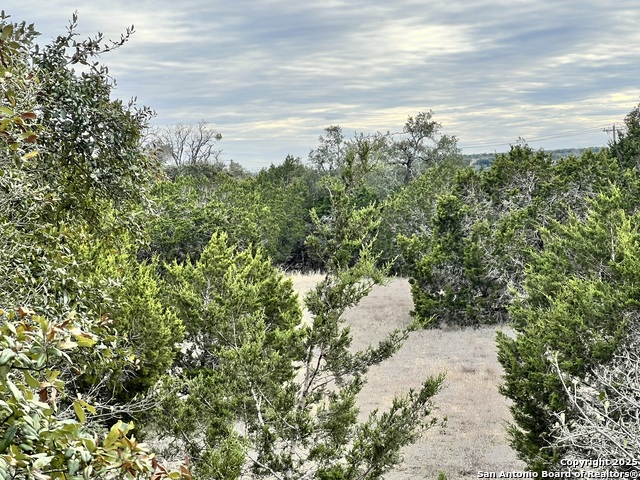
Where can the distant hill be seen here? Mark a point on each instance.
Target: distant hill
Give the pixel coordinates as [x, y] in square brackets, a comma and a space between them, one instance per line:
[484, 160]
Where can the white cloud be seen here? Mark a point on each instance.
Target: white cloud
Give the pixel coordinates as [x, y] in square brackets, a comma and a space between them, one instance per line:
[272, 75]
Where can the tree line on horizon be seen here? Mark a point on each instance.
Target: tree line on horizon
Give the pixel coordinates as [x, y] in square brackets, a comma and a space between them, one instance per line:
[142, 297]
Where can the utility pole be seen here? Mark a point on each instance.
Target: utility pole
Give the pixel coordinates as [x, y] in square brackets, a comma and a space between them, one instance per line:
[614, 134]
[613, 130]
[615, 150]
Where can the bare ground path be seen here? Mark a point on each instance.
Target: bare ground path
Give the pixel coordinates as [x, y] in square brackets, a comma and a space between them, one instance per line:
[474, 438]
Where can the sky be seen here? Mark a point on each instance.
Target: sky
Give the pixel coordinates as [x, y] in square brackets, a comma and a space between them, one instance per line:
[271, 75]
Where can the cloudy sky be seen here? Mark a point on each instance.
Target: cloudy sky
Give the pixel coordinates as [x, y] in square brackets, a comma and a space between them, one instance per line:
[270, 75]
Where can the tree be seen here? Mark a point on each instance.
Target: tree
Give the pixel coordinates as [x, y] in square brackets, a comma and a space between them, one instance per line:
[187, 144]
[191, 208]
[467, 256]
[45, 433]
[241, 319]
[627, 147]
[69, 206]
[261, 395]
[410, 211]
[450, 283]
[333, 441]
[580, 295]
[268, 210]
[328, 157]
[130, 295]
[72, 177]
[330, 160]
[290, 190]
[91, 144]
[605, 404]
[413, 152]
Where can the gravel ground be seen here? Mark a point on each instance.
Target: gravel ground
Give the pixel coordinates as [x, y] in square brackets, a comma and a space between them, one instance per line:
[474, 438]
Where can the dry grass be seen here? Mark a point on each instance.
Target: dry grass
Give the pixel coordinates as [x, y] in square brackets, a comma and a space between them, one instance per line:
[474, 438]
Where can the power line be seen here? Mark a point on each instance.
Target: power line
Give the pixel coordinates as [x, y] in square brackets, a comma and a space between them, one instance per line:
[570, 133]
[613, 129]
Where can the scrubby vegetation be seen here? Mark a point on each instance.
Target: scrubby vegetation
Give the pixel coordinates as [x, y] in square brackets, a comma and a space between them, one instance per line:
[77, 308]
[141, 288]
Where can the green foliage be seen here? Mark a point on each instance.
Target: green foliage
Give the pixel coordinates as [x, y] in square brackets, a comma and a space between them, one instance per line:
[45, 430]
[328, 157]
[190, 209]
[259, 394]
[627, 147]
[410, 210]
[380, 439]
[223, 287]
[422, 147]
[333, 374]
[269, 210]
[290, 191]
[580, 292]
[241, 318]
[605, 402]
[66, 205]
[58, 270]
[450, 283]
[93, 151]
[467, 261]
[211, 171]
[18, 88]
[72, 180]
[138, 308]
[247, 389]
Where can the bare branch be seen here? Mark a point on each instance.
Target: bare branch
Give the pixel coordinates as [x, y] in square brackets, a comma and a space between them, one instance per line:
[188, 144]
[607, 406]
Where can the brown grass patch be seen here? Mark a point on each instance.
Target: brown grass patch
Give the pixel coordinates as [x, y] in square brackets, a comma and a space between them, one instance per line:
[474, 438]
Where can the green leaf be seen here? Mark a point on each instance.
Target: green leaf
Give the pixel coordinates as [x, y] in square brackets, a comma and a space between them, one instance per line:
[84, 341]
[6, 31]
[32, 382]
[42, 358]
[6, 356]
[87, 406]
[42, 462]
[73, 466]
[113, 435]
[8, 437]
[77, 407]
[89, 444]
[15, 391]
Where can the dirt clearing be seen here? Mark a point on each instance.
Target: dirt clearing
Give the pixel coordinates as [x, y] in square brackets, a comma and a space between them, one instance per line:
[474, 438]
